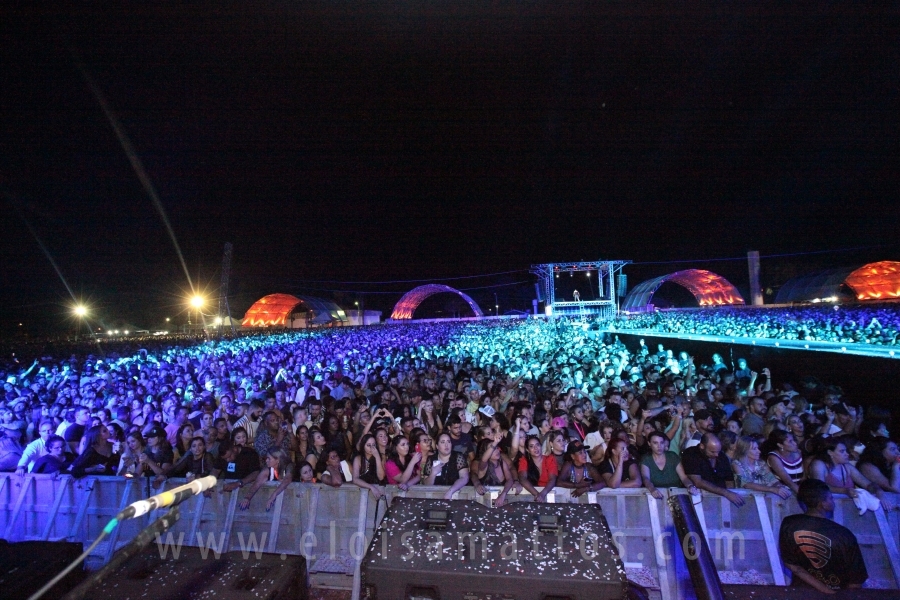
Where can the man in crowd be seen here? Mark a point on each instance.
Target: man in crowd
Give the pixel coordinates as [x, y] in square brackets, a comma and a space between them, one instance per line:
[709, 469]
[820, 553]
[273, 433]
[755, 420]
[75, 432]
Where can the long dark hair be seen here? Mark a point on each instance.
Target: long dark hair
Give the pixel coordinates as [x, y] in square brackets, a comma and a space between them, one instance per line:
[92, 436]
[826, 445]
[771, 444]
[874, 455]
[532, 471]
[394, 454]
[368, 463]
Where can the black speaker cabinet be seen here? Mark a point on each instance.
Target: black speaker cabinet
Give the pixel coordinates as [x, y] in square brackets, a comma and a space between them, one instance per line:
[193, 576]
[461, 550]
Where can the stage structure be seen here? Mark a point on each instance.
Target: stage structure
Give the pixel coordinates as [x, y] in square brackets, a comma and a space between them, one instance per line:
[606, 303]
[411, 300]
[707, 287]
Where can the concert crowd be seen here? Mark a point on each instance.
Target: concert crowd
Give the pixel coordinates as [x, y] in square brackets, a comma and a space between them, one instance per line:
[877, 324]
[520, 406]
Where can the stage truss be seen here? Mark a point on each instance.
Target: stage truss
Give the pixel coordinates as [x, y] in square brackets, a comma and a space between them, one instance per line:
[607, 302]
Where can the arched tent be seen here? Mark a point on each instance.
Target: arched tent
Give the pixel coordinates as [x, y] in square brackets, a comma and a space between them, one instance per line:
[827, 284]
[411, 300]
[708, 288]
[876, 281]
[276, 309]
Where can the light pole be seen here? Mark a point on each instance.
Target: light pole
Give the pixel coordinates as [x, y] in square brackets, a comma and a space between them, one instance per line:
[80, 311]
[197, 302]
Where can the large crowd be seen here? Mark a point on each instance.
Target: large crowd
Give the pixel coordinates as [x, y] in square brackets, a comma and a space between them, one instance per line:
[524, 406]
[877, 324]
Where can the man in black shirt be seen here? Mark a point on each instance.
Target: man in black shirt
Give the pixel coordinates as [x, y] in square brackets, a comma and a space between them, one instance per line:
[709, 469]
[75, 432]
[237, 462]
[819, 552]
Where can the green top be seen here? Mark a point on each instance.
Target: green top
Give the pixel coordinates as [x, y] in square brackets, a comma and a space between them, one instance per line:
[667, 476]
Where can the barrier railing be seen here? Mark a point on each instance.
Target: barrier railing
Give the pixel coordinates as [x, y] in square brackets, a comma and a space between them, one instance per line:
[332, 527]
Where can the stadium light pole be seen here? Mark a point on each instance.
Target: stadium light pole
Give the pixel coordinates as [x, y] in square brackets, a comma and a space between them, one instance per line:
[80, 311]
[197, 302]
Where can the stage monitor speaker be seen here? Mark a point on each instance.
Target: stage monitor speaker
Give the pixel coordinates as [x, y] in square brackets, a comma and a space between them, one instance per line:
[439, 549]
[195, 574]
[26, 566]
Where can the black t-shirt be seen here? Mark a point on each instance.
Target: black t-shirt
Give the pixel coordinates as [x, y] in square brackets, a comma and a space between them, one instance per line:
[74, 433]
[606, 467]
[244, 464]
[450, 472]
[464, 444]
[695, 462]
[826, 550]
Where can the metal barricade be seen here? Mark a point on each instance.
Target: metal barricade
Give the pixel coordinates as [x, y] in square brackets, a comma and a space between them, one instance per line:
[332, 527]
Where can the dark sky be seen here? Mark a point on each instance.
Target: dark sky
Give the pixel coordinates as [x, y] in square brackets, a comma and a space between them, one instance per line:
[372, 141]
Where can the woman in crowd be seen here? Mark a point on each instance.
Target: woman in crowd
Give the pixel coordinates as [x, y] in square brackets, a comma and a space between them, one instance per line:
[116, 437]
[130, 463]
[306, 473]
[55, 461]
[157, 455]
[316, 448]
[555, 445]
[301, 441]
[98, 457]
[752, 473]
[137, 413]
[598, 453]
[880, 463]
[196, 463]
[490, 468]
[662, 468]
[335, 434]
[183, 441]
[796, 427]
[382, 441]
[832, 465]
[333, 473]
[619, 469]
[368, 468]
[430, 422]
[537, 470]
[401, 467]
[784, 458]
[449, 467]
[278, 468]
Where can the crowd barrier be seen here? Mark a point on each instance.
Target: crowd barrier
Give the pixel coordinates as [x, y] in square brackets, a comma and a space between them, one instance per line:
[332, 527]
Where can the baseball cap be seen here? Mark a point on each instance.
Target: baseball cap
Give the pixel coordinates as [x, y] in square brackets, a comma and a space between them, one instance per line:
[487, 411]
[575, 447]
[155, 431]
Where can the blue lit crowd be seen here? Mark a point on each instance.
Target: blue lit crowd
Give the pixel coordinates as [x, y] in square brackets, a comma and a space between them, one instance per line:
[522, 407]
[869, 324]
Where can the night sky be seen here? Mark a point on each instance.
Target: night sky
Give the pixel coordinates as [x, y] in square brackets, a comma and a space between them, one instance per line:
[382, 141]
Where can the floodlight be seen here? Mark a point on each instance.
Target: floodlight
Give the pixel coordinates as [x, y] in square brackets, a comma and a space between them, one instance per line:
[197, 301]
[80, 310]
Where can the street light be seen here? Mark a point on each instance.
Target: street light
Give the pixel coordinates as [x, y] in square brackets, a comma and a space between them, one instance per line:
[196, 302]
[80, 311]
